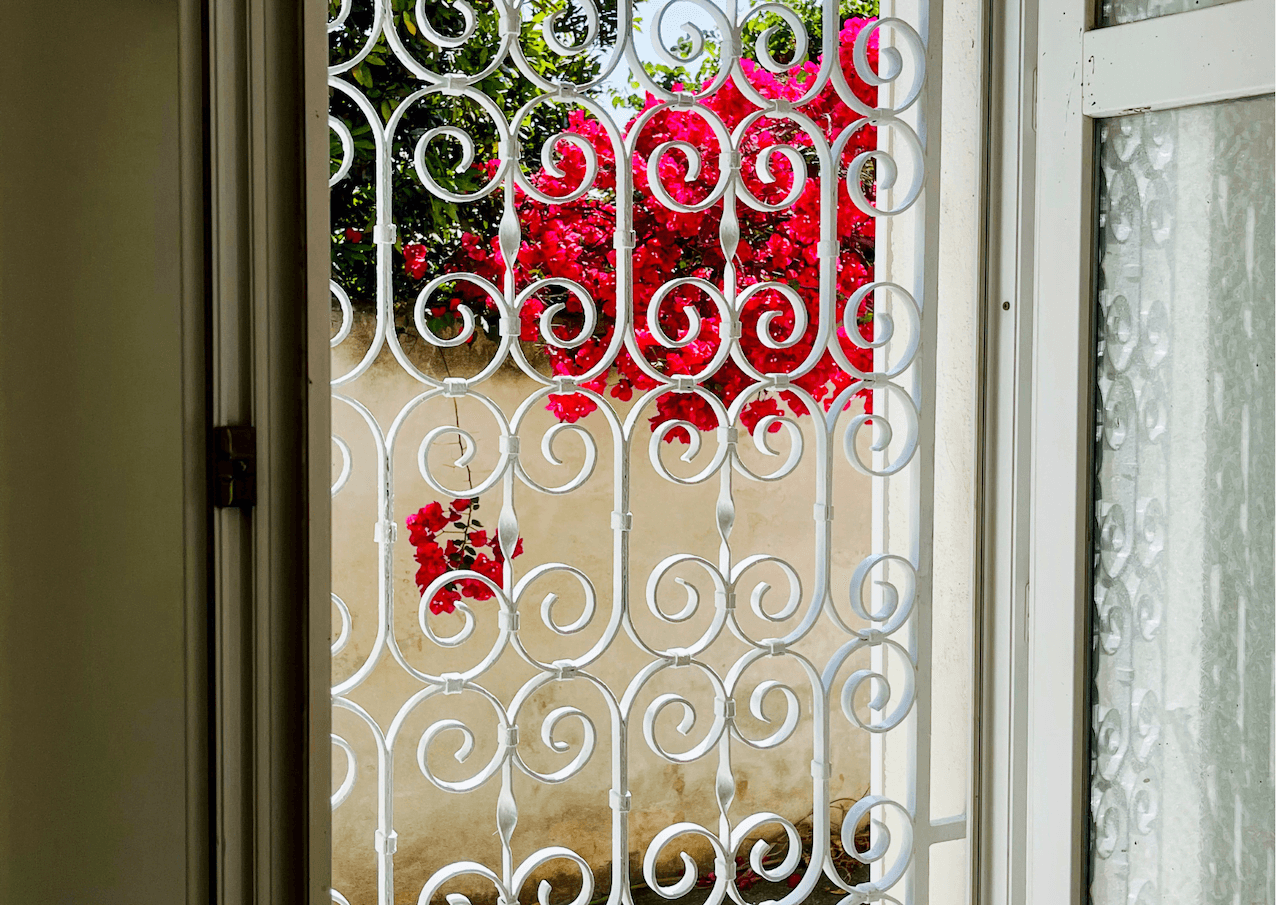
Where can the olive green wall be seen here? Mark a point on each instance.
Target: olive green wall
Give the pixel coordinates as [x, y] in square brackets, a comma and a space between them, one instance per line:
[95, 643]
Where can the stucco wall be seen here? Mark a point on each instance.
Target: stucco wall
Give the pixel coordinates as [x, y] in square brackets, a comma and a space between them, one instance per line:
[436, 828]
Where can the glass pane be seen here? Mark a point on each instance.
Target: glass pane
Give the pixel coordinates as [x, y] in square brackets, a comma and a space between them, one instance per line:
[1117, 12]
[1181, 793]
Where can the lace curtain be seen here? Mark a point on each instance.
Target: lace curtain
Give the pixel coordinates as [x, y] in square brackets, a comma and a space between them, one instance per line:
[1182, 793]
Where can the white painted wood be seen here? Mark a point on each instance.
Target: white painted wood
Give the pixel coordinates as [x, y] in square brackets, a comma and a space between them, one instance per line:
[1212, 54]
[908, 253]
[958, 407]
[1056, 745]
[1035, 711]
[1011, 147]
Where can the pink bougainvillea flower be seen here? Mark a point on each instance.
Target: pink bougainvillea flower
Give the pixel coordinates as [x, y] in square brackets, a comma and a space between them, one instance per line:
[414, 263]
[426, 523]
[573, 241]
[469, 547]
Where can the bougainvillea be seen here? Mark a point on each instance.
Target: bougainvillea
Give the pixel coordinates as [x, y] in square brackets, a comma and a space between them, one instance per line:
[433, 225]
[574, 240]
[451, 539]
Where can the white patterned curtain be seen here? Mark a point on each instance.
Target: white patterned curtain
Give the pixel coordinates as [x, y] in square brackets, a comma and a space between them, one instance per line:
[1182, 793]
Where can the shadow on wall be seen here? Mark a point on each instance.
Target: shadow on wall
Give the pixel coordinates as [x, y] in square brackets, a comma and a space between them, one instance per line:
[561, 719]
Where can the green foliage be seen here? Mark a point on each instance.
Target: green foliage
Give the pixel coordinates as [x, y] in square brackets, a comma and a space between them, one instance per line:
[439, 224]
[421, 217]
[781, 43]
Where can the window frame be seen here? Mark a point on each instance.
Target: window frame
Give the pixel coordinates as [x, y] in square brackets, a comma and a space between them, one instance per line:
[265, 265]
[1035, 838]
[1051, 76]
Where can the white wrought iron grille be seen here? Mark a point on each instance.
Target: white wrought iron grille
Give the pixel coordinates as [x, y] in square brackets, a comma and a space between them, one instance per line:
[563, 207]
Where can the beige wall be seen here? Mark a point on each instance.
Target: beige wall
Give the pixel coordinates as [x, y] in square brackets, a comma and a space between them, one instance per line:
[435, 828]
[93, 634]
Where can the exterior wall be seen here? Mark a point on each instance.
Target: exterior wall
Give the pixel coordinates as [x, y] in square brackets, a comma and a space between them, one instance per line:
[436, 828]
[94, 756]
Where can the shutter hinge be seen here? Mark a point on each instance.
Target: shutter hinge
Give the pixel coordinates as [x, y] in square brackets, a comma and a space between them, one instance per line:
[234, 467]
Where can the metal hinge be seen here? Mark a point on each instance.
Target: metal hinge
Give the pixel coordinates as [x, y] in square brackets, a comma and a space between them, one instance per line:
[234, 467]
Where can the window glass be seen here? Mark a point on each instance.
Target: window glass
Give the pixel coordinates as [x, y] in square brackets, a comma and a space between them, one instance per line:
[1117, 12]
[1181, 791]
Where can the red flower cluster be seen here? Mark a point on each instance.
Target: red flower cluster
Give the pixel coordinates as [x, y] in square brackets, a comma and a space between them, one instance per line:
[471, 548]
[573, 240]
[414, 263]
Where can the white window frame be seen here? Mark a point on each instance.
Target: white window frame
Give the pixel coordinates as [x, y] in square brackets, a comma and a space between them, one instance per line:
[1069, 74]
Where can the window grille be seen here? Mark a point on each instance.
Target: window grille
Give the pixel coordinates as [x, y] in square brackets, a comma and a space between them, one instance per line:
[459, 319]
